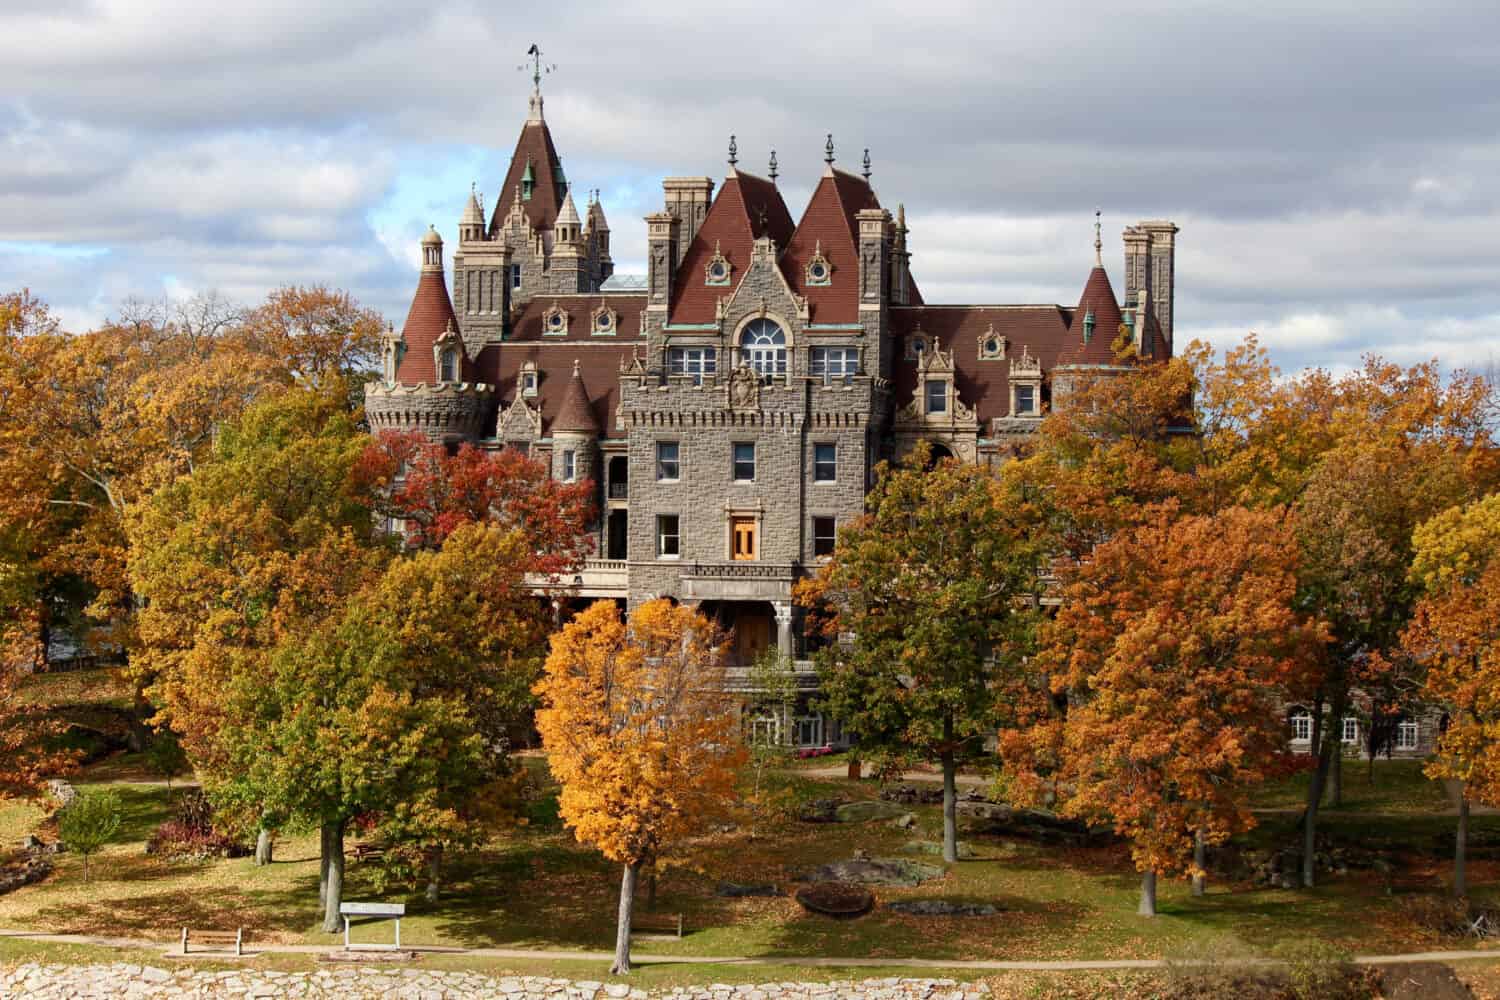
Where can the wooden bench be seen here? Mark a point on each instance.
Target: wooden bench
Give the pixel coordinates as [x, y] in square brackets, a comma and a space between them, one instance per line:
[223, 939]
[656, 923]
[367, 851]
[381, 911]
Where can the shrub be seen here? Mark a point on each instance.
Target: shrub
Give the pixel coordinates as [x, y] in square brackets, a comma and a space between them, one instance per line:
[190, 833]
[89, 823]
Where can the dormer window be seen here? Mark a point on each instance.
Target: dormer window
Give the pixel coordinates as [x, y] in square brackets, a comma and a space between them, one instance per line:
[1024, 404]
[937, 396]
[527, 379]
[448, 367]
[991, 345]
[554, 322]
[819, 271]
[528, 182]
[717, 270]
[605, 321]
[1088, 326]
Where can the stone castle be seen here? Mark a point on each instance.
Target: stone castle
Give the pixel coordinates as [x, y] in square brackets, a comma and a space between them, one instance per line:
[732, 406]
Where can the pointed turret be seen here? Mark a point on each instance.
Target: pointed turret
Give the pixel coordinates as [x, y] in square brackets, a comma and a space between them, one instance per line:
[471, 225]
[430, 317]
[575, 434]
[1096, 321]
[568, 226]
[576, 414]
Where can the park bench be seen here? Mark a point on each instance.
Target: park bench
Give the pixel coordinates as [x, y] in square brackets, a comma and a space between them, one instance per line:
[223, 939]
[380, 911]
[656, 923]
[368, 851]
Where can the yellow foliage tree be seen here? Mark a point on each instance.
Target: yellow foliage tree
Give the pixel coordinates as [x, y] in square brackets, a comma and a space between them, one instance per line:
[641, 733]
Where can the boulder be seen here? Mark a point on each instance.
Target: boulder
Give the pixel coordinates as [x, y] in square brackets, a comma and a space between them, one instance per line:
[864, 812]
[912, 795]
[965, 851]
[941, 908]
[906, 821]
[737, 890]
[835, 899]
[820, 811]
[998, 819]
[875, 871]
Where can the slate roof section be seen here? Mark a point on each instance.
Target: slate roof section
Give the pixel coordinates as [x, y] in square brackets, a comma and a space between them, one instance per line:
[598, 366]
[983, 384]
[746, 208]
[575, 414]
[431, 312]
[829, 223]
[528, 325]
[1097, 298]
[534, 147]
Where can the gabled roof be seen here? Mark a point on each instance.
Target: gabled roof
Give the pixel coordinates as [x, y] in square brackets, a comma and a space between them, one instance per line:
[575, 414]
[1098, 300]
[534, 148]
[829, 224]
[746, 208]
[431, 313]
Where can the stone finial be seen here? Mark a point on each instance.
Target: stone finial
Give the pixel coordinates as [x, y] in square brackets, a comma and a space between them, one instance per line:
[773, 166]
[828, 150]
[576, 371]
[866, 171]
[734, 153]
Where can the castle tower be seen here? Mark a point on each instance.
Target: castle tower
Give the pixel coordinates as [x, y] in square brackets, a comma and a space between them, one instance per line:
[575, 434]
[432, 388]
[568, 271]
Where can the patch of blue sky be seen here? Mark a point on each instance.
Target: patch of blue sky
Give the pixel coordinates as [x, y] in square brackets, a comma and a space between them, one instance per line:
[61, 251]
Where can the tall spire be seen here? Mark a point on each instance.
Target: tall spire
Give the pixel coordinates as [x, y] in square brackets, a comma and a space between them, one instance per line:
[534, 110]
[1098, 242]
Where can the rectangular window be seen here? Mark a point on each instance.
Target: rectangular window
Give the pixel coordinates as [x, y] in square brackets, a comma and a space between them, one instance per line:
[1406, 735]
[825, 463]
[515, 276]
[1351, 732]
[528, 383]
[742, 538]
[1301, 727]
[825, 535]
[744, 462]
[668, 468]
[668, 540]
[937, 397]
[1025, 399]
[693, 361]
[568, 465]
[831, 364]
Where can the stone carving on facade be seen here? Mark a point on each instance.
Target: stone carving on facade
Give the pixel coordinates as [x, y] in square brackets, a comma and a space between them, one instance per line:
[992, 345]
[819, 271]
[955, 427]
[520, 422]
[603, 321]
[717, 270]
[555, 321]
[744, 389]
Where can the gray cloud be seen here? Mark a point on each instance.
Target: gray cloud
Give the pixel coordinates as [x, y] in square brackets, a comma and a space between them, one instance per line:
[1333, 165]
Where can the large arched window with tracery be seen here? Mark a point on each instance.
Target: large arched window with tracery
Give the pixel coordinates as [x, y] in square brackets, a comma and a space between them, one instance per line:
[763, 347]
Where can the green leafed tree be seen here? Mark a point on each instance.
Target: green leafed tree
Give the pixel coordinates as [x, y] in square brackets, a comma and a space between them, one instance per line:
[90, 822]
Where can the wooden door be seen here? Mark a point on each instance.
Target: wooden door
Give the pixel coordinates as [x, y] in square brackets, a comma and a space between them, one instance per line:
[742, 538]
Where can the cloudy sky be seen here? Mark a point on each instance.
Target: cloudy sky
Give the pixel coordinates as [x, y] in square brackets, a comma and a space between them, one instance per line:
[1335, 167]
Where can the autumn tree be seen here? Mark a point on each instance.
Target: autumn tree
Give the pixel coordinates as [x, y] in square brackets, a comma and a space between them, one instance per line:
[1455, 635]
[1165, 660]
[641, 734]
[935, 585]
[417, 482]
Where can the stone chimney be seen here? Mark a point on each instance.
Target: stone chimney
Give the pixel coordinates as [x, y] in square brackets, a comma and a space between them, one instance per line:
[1151, 267]
[688, 199]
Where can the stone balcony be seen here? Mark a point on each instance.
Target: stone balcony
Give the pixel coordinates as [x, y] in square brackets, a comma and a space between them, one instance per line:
[596, 578]
[739, 581]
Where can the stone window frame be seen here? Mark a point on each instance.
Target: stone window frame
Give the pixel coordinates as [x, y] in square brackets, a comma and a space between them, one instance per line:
[826, 375]
[833, 539]
[720, 262]
[817, 481]
[662, 535]
[738, 512]
[448, 366]
[527, 380]
[569, 465]
[707, 361]
[1408, 734]
[515, 276]
[1035, 410]
[1300, 720]
[789, 347]
[611, 325]
[555, 321]
[1349, 731]
[928, 398]
[676, 461]
[815, 261]
[993, 346]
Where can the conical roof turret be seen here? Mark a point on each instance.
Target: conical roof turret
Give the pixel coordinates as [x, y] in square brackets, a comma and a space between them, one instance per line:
[576, 414]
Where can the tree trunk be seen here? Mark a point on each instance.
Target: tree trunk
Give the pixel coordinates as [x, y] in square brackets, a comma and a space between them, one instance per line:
[1461, 846]
[1148, 895]
[1336, 772]
[334, 852]
[434, 872]
[1314, 794]
[324, 854]
[950, 796]
[622, 928]
[263, 847]
[1200, 862]
[853, 769]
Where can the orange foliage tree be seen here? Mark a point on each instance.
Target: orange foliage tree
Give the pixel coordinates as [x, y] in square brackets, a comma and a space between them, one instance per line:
[1165, 660]
[641, 733]
[1455, 635]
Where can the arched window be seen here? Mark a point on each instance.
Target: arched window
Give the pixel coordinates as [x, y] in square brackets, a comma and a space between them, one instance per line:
[763, 347]
[449, 371]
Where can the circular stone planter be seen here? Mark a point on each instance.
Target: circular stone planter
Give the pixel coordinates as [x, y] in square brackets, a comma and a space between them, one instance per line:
[836, 899]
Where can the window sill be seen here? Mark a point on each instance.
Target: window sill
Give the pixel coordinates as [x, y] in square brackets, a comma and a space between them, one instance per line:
[669, 558]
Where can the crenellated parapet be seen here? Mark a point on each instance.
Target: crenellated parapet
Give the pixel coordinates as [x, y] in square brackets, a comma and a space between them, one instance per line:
[448, 412]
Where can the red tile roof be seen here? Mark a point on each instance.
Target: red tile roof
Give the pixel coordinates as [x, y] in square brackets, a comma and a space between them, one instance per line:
[829, 222]
[598, 365]
[746, 208]
[431, 312]
[527, 325]
[534, 147]
[982, 384]
[1097, 298]
[576, 413]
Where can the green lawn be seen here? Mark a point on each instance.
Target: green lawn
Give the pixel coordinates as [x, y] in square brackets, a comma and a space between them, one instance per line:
[1398, 786]
[537, 888]
[75, 687]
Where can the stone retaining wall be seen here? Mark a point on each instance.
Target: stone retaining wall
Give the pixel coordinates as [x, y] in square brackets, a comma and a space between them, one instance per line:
[54, 982]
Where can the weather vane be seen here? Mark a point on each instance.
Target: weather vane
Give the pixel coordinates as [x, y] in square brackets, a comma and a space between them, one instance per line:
[537, 66]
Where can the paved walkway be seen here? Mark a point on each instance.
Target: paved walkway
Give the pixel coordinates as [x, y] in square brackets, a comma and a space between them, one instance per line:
[822, 961]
